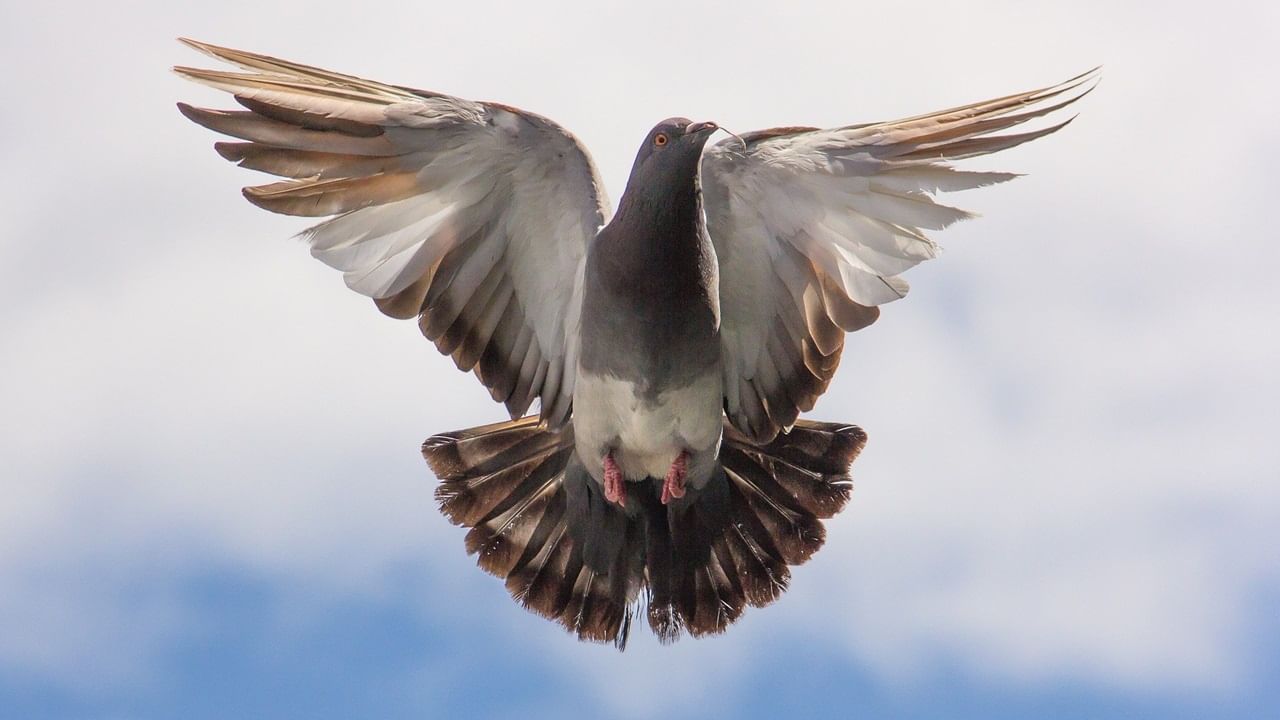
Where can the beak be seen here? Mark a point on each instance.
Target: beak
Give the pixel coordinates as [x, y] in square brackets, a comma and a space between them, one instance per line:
[701, 127]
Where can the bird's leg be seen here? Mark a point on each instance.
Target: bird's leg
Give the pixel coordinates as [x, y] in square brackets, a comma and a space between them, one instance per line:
[673, 484]
[614, 489]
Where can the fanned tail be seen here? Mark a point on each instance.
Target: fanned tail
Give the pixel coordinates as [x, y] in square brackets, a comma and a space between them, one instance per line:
[507, 482]
[542, 524]
[732, 543]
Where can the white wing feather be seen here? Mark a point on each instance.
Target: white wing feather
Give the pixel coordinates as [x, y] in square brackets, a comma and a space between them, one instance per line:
[473, 216]
[812, 229]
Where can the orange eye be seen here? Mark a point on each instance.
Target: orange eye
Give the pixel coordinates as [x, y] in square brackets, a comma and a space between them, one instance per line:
[660, 139]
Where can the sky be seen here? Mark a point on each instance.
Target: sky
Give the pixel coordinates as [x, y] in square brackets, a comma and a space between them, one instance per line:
[213, 501]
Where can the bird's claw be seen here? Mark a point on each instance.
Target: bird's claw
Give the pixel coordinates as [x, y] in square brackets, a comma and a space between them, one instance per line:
[673, 483]
[615, 490]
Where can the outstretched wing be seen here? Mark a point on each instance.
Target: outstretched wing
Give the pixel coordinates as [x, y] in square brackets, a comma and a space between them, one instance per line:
[812, 228]
[472, 216]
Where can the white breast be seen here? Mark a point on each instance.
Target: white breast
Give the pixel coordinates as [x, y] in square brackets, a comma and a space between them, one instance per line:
[645, 435]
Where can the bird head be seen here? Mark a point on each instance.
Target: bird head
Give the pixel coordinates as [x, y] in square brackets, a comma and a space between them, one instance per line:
[672, 149]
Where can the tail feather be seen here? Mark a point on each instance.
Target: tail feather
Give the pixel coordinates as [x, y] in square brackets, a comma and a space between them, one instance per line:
[811, 463]
[664, 617]
[502, 536]
[764, 577]
[481, 450]
[705, 605]
[542, 544]
[541, 523]
[540, 585]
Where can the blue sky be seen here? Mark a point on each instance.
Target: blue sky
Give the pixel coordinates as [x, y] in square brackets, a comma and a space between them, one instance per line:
[214, 504]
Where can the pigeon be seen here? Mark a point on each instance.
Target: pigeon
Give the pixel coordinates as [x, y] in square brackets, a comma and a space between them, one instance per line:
[670, 346]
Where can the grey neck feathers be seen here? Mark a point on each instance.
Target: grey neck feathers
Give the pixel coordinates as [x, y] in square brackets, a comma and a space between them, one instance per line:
[661, 218]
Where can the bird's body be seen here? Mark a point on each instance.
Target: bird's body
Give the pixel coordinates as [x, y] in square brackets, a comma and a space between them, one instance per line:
[671, 347]
[648, 385]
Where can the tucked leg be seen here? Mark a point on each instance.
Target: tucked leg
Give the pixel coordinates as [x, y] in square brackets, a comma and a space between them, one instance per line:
[614, 489]
[673, 484]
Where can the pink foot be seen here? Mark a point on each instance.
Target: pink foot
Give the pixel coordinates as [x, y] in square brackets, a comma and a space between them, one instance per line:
[673, 484]
[614, 490]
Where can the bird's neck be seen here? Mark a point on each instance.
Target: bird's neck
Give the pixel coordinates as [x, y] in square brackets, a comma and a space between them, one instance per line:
[661, 225]
[655, 254]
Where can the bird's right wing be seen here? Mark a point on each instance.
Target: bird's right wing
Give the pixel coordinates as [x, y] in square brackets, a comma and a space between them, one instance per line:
[472, 216]
[812, 228]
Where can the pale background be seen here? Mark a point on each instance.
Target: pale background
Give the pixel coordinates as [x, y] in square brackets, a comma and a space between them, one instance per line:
[212, 502]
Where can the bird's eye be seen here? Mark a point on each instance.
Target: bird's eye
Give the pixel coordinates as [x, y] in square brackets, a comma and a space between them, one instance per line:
[660, 139]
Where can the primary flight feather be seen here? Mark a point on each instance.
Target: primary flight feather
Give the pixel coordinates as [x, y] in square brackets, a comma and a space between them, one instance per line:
[671, 346]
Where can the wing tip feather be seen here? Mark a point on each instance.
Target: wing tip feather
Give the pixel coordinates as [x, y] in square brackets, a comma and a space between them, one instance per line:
[190, 112]
[230, 151]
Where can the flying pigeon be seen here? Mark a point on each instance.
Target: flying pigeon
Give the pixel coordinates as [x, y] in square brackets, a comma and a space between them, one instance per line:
[671, 346]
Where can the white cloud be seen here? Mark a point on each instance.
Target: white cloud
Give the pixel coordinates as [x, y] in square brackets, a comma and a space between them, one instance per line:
[1070, 474]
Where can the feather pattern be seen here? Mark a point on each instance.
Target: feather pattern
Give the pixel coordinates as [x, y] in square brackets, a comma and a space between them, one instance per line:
[539, 522]
[839, 214]
[436, 202]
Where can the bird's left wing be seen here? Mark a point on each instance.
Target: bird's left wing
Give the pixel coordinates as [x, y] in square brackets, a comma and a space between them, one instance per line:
[472, 216]
[812, 228]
